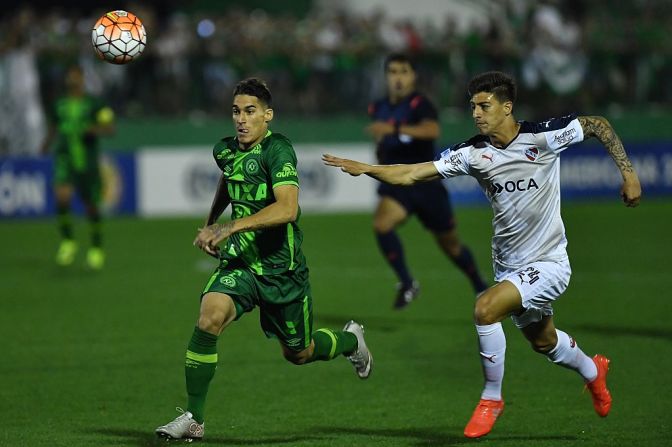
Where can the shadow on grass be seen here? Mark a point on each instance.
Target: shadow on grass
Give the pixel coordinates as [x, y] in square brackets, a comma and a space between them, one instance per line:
[148, 438]
[412, 436]
[436, 436]
[623, 331]
[389, 324]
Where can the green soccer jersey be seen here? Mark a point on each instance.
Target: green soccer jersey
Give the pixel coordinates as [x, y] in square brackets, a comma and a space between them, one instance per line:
[250, 177]
[72, 116]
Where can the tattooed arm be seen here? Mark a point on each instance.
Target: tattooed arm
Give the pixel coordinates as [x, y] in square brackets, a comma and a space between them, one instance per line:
[599, 127]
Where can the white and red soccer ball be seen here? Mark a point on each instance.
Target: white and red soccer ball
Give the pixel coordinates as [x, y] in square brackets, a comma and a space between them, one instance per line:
[118, 37]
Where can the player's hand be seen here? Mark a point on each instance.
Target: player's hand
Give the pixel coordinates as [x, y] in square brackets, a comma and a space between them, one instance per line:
[208, 238]
[378, 129]
[631, 192]
[352, 167]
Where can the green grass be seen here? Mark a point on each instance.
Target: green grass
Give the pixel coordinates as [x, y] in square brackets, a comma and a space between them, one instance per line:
[96, 359]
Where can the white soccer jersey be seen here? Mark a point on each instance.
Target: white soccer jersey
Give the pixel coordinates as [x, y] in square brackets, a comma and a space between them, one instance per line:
[522, 183]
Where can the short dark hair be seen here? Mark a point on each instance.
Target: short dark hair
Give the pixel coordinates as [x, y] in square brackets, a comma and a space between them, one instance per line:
[254, 87]
[500, 84]
[399, 57]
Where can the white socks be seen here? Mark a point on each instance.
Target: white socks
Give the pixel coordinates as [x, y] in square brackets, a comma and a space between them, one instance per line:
[492, 343]
[567, 353]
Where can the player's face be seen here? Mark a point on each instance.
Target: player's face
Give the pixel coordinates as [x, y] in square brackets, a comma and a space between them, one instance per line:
[488, 112]
[400, 79]
[250, 117]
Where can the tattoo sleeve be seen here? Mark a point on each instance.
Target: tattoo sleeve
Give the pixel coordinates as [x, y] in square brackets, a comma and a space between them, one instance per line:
[599, 127]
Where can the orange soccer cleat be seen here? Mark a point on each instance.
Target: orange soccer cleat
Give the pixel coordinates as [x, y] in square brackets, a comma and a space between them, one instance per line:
[598, 387]
[484, 417]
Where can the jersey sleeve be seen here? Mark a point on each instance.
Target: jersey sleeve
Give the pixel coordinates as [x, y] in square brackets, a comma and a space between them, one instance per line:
[423, 109]
[453, 162]
[560, 133]
[282, 164]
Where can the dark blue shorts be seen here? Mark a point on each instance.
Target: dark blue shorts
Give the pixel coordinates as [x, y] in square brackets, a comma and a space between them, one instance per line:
[429, 201]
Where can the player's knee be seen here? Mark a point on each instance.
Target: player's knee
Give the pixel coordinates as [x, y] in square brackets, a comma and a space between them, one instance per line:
[454, 249]
[297, 358]
[450, 243]
[484, 312]
[382, 226]
[211, 322]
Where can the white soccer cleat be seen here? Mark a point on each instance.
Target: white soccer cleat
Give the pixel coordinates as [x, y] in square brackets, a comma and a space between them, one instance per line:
[182, 427]
[361, 359]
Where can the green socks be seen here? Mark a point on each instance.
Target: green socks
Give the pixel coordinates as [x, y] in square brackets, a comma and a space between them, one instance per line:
[96, 232]
[64, 222]
[329, 344]
[199, 369]
[201, 361]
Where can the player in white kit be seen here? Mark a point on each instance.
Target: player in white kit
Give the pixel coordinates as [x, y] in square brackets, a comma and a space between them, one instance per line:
[517, 164]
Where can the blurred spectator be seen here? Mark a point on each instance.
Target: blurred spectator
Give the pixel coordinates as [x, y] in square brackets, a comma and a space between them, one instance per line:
[23, 125]
[555, 64]
[327, 60]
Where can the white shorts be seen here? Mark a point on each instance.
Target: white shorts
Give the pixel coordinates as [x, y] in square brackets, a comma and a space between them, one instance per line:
[539, 283]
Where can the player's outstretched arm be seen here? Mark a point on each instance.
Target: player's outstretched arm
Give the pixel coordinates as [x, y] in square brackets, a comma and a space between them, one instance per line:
[599, 127]
[392, 174]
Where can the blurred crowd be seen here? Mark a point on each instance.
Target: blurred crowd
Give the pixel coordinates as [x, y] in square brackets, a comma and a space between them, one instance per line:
[567, 55]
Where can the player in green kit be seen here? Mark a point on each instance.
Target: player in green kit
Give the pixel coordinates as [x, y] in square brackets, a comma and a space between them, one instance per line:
[77, 120]
[261, 262]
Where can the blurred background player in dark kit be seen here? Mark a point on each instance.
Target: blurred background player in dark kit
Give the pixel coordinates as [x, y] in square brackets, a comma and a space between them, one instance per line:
[405, 127]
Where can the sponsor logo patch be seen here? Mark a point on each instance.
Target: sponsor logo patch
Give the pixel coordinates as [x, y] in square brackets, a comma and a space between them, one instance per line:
[453, 160]
[512, 186]
[489, 358]
[565, 138]
[288, 170]
[293, 342]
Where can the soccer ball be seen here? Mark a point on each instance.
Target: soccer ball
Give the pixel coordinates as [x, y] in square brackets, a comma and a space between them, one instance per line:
[118, 37]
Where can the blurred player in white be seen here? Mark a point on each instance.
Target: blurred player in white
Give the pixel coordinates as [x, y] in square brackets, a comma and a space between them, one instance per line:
[517, 164]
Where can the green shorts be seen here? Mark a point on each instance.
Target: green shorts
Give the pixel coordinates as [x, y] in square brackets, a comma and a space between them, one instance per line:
[87, 182]
[285, 301]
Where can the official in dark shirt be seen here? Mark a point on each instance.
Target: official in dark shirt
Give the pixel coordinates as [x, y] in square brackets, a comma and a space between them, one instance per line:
[405, 127]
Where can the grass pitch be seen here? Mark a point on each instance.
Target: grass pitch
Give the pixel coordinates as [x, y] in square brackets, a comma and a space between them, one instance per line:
[96, 359]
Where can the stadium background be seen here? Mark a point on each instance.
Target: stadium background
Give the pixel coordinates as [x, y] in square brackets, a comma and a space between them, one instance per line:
[95, 359]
